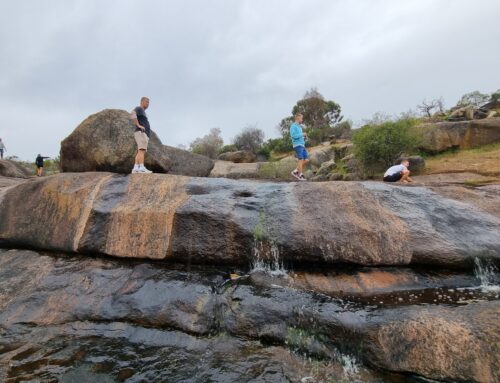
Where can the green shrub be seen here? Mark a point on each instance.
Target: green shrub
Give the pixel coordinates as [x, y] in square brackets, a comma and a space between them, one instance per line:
[280, 145]
[378, 146]
[228, 148]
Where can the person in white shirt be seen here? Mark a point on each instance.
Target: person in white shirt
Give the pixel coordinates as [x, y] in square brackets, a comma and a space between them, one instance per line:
[398, 173]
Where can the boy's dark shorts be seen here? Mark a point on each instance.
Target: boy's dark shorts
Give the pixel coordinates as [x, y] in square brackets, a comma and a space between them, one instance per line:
[393, 177]
[301, 152]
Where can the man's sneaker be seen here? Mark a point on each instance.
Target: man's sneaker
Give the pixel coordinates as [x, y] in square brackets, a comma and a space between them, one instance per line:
[143, 169]
[302, 178]
[135, 170]
[295, 173]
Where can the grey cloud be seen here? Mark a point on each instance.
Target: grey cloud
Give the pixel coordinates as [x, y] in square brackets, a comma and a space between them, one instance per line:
[230, 63]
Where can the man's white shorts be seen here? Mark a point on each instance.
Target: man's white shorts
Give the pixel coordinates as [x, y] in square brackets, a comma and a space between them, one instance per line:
[142, 140]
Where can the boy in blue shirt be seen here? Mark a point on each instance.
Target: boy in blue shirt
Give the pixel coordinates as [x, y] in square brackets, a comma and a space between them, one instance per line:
[299, 145]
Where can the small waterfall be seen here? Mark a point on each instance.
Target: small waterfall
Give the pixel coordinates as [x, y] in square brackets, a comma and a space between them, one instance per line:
[487, 273]
[267, 258]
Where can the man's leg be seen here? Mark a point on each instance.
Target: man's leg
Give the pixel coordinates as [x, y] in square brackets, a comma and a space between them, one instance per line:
[139, 157]
[405, 178]
[300, 166]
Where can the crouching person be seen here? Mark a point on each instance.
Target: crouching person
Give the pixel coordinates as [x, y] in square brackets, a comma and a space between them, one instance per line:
[398, 173]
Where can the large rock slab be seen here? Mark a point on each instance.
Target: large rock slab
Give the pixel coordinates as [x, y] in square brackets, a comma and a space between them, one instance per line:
[13, 169]
[105, 142]
[85, 299]
[459, 344]
[206, 220]
[441, 136]
[228, 169]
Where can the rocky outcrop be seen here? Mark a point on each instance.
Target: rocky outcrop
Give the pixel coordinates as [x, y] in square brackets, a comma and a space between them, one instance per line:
[13, 169]
[441, 136]
[240, 156]
[228, 169]
[60, 312]
[205, 220]
[105, 142]
[444, 343]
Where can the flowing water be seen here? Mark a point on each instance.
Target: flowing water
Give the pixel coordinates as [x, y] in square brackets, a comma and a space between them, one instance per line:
[67, 318]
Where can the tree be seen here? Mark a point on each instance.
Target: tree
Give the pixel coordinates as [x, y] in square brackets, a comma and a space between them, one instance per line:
[378, 146]
[475, 98]
[318, 113]
[427, 107]
[251, 138]
[378, 118]
[208, 145]
[495, 96]
[320, 116]
[343, 129]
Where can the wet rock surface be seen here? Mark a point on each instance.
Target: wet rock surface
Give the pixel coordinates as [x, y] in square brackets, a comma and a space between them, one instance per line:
[74, 318]
[105, 142]
[220, 221]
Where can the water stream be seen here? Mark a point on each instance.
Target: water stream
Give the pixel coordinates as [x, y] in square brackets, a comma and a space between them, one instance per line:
[68, 318]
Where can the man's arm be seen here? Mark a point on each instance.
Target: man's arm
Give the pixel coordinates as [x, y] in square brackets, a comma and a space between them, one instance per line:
[133, 116]
[296, 132]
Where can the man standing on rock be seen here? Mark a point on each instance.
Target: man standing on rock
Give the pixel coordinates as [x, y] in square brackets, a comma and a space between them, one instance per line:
[299, 145]
[2, 148]
[141, 135]
[398, 173]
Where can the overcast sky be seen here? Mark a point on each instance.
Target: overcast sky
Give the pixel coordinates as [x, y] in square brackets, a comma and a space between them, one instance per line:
[232, 63]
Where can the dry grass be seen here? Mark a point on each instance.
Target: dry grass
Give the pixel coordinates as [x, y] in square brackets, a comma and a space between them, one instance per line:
[484, 160]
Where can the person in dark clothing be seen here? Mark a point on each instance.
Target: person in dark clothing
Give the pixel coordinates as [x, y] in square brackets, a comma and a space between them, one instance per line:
[2, 148]
[39, 165]
[141, 135]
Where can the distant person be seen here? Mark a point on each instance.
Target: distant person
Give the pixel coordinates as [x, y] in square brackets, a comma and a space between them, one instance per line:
[2, 149]
[398, 173]
[141, 135]
[39, 165]
[299, 145]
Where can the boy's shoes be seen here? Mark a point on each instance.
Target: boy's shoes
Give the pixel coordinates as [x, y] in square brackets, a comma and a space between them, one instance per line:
[296, 174]
[302, 178]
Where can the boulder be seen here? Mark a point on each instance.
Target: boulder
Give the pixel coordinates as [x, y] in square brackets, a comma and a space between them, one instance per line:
[459, 344]
[336, 177]
[105, 142]
[208, 220]
[240, 156]
[14, 169]
[442, 136]
[228, 169]
[326, 168]
[464, 113]
[343, 149]
[321, 155]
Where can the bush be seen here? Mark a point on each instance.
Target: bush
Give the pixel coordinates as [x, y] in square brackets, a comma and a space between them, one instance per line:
[251, 138]
[378, 146]
[208, 145]
[228, 148]
[279, 145]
